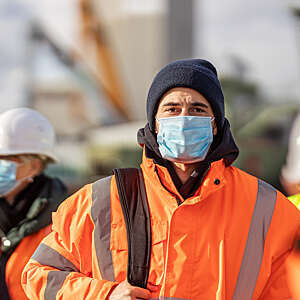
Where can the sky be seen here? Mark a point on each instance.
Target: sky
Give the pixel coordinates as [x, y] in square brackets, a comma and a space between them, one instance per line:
[262, 34]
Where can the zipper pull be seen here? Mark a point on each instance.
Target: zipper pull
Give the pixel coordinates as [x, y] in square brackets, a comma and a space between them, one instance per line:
[5, 242]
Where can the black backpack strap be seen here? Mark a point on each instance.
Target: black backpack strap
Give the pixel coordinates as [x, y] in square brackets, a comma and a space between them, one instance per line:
[133, 198]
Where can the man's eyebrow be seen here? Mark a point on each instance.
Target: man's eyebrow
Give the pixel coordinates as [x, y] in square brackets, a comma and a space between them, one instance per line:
[179, 104]
[172, 104]
[199, 104]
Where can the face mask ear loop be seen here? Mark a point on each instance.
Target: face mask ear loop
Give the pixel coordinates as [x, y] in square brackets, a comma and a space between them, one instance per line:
[157, 120]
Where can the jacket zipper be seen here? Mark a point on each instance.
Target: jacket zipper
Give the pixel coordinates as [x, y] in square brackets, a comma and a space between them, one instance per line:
[176, 197]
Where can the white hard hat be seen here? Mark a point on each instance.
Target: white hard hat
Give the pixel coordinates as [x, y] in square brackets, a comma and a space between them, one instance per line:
[291, 170]
[26, 131]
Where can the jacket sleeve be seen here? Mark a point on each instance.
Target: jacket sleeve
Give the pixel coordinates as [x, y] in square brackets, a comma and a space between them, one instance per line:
[284, 229]
[61, 267]
[293, 272]
[276, 287]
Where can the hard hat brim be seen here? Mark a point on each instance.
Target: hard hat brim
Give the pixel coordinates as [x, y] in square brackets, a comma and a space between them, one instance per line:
[51, 156]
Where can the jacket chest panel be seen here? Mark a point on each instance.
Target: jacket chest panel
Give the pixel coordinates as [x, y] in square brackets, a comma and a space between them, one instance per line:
[195, 249]
[192, 242]
[119, 250]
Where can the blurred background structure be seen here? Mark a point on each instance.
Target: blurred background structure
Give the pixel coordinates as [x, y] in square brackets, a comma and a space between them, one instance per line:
[87, 65]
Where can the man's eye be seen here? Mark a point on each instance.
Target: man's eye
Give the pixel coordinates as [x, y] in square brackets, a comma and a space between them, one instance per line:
[197, 110]
[171, 109]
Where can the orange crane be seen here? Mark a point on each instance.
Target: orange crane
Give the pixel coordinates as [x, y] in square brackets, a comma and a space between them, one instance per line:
[92, 31]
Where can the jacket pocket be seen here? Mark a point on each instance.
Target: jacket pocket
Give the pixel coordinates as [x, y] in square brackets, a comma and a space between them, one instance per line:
[119, 248]
[159, 240]
[118, 240]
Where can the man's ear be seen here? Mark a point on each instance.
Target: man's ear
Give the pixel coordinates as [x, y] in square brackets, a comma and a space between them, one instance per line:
[156, 126]
[215, 130]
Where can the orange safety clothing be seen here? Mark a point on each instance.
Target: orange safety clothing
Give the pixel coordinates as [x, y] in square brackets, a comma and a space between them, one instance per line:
[44, 195]
[234, 232]
[293, 274]
[18, 260]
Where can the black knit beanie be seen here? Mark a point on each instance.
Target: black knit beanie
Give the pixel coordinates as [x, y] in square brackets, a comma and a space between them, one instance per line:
[197, 74]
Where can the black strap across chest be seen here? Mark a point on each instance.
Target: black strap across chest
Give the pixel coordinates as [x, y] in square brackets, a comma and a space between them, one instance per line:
[135, 208]
[133, 198]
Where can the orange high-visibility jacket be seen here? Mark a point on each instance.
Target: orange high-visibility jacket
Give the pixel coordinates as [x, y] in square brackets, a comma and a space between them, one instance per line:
[228, 241]
[18, 260]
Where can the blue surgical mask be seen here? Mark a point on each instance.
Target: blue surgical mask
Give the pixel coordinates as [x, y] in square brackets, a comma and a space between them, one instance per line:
[7, 176]
[185, 138]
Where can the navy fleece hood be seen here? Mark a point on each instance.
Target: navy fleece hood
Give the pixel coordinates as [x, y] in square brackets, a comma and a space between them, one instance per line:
[197, 74]
[201, 76]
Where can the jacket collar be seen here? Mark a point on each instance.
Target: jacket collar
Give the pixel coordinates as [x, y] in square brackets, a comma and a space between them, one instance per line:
[160, 175]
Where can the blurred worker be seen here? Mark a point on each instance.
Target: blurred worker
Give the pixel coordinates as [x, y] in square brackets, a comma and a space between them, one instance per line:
[217, 232]
[290, 180]
[290, 173]
[293, 271]
[28, 196]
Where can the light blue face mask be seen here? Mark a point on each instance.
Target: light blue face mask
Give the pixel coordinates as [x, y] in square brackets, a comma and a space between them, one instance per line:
[7, 176]
[184, 138]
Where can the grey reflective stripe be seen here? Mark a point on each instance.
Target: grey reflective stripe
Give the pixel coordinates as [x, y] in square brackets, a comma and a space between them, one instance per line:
[47, 256]
[101, 215]
[55, 280]
[254, 250]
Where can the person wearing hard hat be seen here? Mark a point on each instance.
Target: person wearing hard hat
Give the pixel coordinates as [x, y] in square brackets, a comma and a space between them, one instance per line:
[290, 172]
[290, 181]
[27, 196]
[212, 231]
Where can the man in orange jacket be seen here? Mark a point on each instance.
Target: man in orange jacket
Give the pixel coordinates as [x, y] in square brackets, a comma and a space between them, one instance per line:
[217, 232]
[27, 196]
